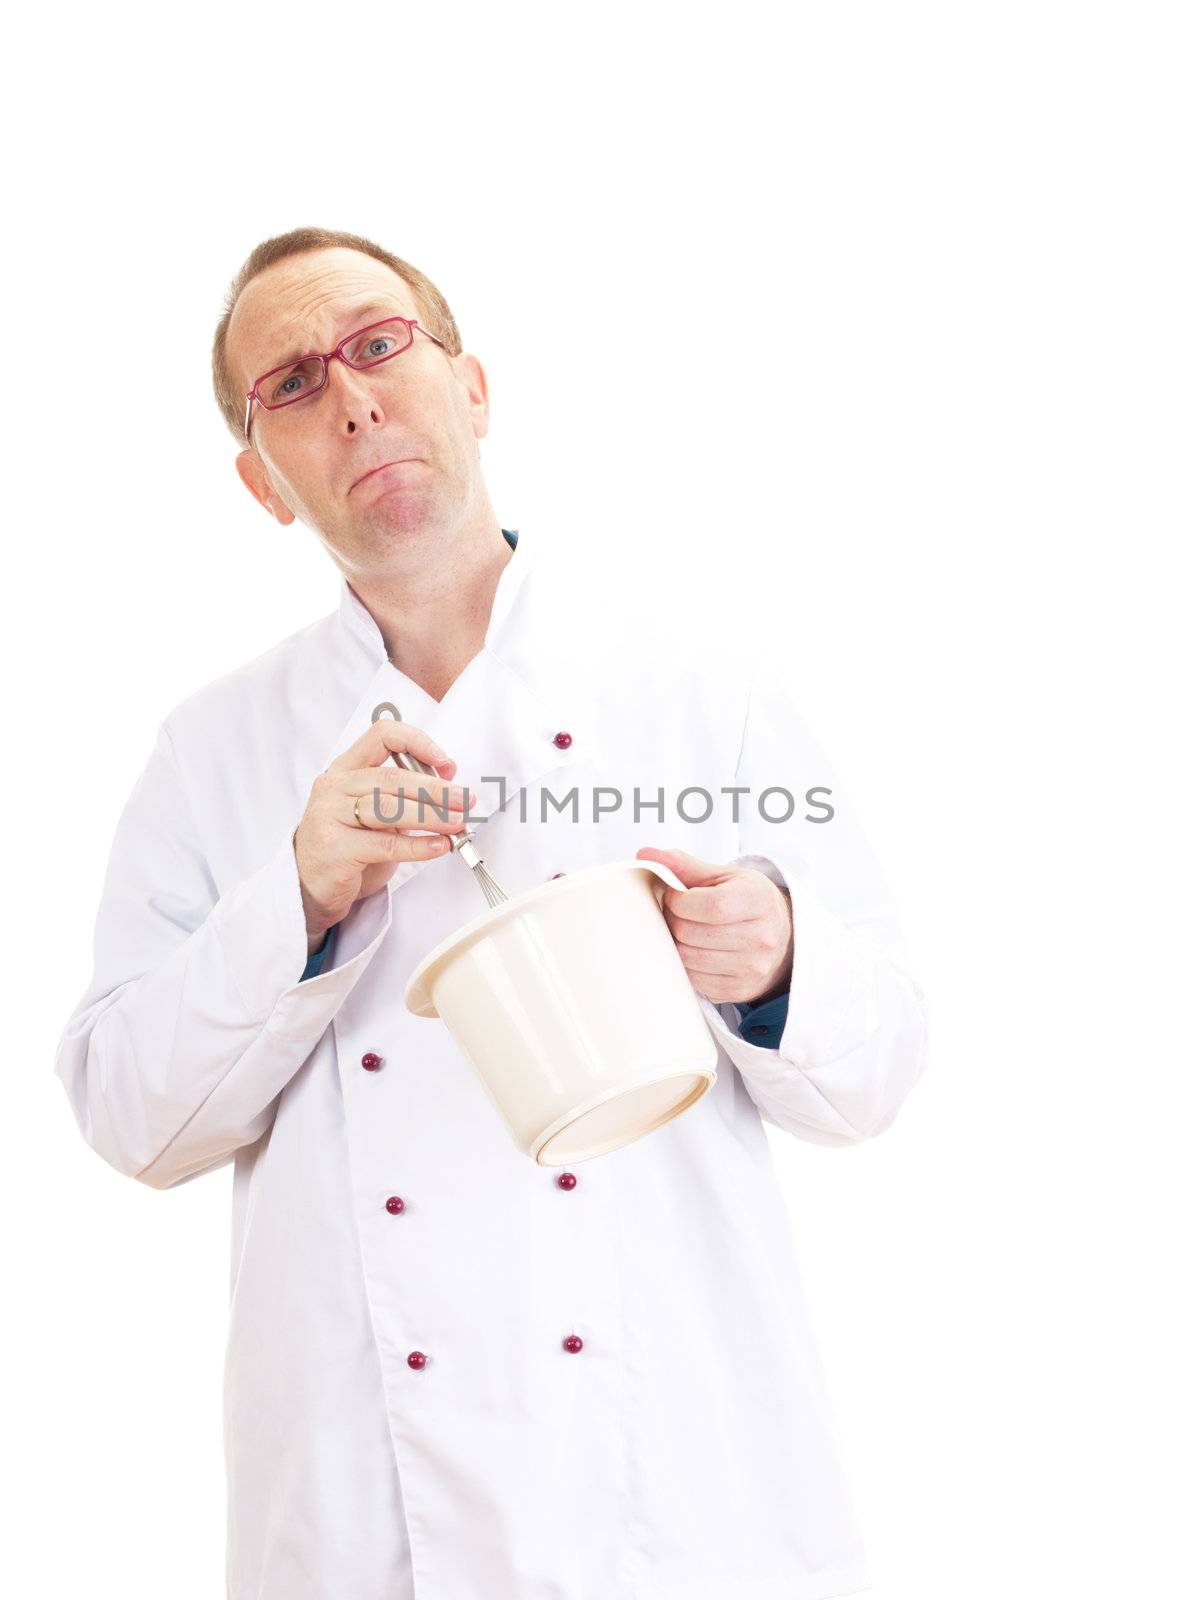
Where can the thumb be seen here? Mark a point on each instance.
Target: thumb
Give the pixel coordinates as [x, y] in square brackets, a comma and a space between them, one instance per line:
[690, 870]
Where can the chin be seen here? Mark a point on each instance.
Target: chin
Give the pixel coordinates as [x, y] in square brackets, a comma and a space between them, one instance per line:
[401, 518]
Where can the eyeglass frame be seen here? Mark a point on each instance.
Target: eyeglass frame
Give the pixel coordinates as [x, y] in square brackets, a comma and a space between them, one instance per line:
[252, 394]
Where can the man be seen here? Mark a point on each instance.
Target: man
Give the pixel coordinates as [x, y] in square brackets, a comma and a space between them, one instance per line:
[453, 1374]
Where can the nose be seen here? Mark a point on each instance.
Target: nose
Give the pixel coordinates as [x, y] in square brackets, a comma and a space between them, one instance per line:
[355, 399]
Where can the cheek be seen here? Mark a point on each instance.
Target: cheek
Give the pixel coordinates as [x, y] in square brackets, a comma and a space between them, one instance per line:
[302, 477]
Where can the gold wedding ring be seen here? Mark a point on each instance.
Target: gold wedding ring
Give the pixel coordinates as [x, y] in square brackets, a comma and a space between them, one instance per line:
[357, 818]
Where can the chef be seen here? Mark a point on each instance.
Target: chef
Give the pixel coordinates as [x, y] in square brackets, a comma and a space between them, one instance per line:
[451, 1373]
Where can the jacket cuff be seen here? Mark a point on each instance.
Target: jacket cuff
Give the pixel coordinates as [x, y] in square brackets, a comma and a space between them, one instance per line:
[832, 988]
[261, 929]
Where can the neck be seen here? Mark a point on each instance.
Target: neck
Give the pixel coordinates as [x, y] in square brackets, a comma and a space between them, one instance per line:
[434, 618]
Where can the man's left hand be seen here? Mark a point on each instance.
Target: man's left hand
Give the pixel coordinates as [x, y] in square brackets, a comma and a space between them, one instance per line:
[731, 925]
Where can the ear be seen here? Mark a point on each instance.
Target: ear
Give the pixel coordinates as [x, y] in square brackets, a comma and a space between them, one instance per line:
[254, 475]
[467, 369]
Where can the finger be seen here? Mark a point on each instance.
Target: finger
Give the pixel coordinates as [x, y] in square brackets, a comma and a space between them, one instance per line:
[734, 900]
[387, 845]
[388, 813]
[711, 963]
[414, 786]
[713, 935]
[387, 737]
[720, 990]
[691, 871]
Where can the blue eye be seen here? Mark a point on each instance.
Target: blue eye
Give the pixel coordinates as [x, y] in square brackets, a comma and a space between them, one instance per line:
[376, 346]
[296, 382]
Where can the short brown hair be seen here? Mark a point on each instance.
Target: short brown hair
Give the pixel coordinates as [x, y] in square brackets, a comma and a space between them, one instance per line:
[435, 313]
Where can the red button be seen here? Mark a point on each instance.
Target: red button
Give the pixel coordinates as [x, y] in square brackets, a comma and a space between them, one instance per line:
[394, 1204]
[573, 1343]
[567, 1180]
[563, 741]
[372, 1062]
[416, 1359]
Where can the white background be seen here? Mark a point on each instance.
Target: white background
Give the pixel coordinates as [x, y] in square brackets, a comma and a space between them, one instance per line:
[878, 323]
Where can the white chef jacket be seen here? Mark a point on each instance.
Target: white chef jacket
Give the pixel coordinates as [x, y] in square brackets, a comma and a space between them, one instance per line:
[686, 1449]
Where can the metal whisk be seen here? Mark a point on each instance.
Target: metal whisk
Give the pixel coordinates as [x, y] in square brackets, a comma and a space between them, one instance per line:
[461, 842]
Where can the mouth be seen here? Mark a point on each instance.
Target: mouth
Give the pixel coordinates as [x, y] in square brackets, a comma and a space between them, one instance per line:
[382, 467]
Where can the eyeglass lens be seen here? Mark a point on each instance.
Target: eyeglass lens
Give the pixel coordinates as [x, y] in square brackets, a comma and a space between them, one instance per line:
[366, 349]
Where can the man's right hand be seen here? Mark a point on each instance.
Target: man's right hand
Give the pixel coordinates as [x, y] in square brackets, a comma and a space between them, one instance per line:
[341, 861]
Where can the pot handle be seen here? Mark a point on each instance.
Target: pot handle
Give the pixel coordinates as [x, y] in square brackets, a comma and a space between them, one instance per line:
[661, 879]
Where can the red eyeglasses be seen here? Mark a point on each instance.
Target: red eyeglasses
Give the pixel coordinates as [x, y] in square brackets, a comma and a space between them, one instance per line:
[308, 375]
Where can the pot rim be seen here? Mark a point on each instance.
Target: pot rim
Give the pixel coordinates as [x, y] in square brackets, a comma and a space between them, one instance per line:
[417, 996]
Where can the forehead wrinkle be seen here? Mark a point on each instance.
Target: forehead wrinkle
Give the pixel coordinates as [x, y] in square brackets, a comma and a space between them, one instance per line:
[347, 318]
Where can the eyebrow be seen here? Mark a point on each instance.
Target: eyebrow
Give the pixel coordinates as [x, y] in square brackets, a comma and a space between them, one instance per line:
[349, 317]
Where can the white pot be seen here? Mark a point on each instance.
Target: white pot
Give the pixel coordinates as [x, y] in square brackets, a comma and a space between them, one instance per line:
[573, 1006]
